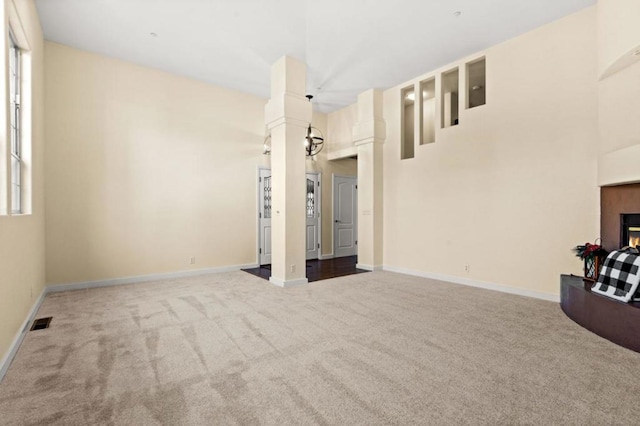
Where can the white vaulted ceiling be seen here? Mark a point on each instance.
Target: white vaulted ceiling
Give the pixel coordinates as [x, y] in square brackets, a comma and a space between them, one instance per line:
[348, 45]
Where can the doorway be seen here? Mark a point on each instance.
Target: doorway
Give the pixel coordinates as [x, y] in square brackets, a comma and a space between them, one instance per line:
[312, 215]
[345, 217]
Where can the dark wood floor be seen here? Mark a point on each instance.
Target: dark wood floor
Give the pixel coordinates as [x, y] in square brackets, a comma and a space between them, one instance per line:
[318, 269]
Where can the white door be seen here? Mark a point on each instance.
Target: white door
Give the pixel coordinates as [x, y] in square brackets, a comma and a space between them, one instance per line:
[345, 216]
[264, 216]
[312, 215]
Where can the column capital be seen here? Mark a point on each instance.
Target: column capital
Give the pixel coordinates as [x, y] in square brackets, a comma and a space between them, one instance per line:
[371, 131]
[290, 108]
[370, 127]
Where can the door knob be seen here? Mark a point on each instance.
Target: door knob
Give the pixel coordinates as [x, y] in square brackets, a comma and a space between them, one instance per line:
[337, 221]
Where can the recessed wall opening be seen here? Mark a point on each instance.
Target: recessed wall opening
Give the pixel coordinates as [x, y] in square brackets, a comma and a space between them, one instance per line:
[408, 124]
[450, 90]
[476, 83]
[428, 111]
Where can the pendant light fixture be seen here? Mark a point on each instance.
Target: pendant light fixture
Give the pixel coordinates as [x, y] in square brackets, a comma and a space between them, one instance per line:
[313, 140]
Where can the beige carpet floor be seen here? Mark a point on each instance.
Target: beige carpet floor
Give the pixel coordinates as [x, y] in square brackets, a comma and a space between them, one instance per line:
[377, 348]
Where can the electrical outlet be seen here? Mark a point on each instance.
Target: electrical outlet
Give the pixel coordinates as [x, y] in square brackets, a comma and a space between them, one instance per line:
[192, 260]
[293, 268]
[467, 268]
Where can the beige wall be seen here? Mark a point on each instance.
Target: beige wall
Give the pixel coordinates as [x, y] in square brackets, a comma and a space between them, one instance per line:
[618, 34]
[22, 261]
[619, 107]
[619, 91]
[511, 189]
[618, 115]
[339, 126]
[145, 170]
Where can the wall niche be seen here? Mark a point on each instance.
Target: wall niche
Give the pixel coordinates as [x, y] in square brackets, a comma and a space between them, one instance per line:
[476, 83]
[449, 90]
[407, 139]
[428, 111]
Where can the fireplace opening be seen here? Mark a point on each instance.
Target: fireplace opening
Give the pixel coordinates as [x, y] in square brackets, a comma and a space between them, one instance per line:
[630, 230]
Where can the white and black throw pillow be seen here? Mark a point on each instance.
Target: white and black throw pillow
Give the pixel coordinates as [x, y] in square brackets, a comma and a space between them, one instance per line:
[619, 276]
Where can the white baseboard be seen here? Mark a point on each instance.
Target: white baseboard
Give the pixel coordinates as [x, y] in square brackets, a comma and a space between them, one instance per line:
[287, 283]
[474, 283]
[17, 341]
[144, 278]
[369, 267]
[326, 256]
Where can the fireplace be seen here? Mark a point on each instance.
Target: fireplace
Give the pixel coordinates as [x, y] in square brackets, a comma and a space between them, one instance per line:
[619, 215]
[630, 229]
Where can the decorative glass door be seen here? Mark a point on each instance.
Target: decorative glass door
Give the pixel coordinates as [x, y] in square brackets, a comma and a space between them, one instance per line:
[312, 214]
[265, 217]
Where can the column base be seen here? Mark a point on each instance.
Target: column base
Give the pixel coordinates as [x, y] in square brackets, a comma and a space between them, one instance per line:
[287, 283]
[369, 267]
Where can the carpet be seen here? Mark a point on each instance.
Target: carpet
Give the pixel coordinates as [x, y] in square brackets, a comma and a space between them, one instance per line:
[376, 348]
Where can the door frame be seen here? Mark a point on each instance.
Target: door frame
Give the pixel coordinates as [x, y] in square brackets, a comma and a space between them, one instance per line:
[333, 209]
[259, 206]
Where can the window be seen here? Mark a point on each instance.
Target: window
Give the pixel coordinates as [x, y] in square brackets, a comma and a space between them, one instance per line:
[16, 142]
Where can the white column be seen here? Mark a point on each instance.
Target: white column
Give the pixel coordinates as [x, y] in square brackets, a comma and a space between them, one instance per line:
[369, 134]
[287, 115]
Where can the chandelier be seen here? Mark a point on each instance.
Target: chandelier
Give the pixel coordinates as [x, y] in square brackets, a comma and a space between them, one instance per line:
[313, 140]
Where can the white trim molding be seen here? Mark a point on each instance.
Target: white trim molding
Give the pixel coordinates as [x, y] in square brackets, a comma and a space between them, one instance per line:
[325, 256]
[475, 283]
[145, 278]
[17, 341]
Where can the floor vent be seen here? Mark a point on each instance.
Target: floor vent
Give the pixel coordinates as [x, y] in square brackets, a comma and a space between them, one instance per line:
[41, 323]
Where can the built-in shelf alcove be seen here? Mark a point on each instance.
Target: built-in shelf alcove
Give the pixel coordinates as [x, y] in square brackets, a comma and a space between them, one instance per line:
[428, 111]
[476, 83]
[407, 139]
[449, 90]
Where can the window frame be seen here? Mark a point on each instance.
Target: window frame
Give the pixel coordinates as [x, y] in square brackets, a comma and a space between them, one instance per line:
[15, 123]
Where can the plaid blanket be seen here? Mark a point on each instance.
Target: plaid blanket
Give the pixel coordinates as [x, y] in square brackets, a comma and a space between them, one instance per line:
[620, 276]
